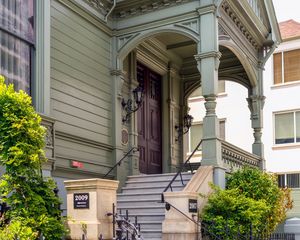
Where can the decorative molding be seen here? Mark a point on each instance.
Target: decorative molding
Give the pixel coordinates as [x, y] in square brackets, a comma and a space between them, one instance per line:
[229, 11]
[207, 9]
[102, 6]
[223, 35]
[192, 25]
[123, 40]
[143, 7]
[212, 54]
[83, 141]
[48, 124]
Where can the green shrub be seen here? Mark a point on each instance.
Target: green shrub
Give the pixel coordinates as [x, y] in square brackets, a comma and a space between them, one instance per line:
[252, 198]
[33, 203]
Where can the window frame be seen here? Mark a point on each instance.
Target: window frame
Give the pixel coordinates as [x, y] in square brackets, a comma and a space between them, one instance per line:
[282, 83]
[295, 143]
[284, 177]
[189, 152]
[30, 44]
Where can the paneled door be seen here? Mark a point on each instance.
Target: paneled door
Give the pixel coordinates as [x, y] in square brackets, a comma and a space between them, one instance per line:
[149, 121]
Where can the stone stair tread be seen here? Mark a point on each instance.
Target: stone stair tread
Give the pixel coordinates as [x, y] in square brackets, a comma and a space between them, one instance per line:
[138, 207]
[157, 175]
[149, 187]
[138, 200]
[141, 196]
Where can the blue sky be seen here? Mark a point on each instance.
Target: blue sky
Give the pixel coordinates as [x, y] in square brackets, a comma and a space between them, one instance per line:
[287, 9]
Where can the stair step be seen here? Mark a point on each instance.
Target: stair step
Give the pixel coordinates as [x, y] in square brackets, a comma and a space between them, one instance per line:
[159, 177]
[146, 217]
[150, 189]
[141, 196]
[151, 234]
[144, 209]
[138, 203]
[155, 196]
[154, 182]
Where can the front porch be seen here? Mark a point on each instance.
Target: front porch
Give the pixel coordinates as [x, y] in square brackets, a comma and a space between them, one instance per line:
[186, 57]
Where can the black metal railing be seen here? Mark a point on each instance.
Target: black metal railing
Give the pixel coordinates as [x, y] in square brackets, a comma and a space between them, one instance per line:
[123, 228]
[179, 172]
[132, 150]
[211, 231]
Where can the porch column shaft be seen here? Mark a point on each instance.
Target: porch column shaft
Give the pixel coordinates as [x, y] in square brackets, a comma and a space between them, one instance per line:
[208, 64]
[117, 154]
[133, 126]
[256, 103]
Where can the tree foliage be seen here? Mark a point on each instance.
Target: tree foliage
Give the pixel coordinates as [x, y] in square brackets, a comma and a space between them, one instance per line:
[251, 198]
[32, 201]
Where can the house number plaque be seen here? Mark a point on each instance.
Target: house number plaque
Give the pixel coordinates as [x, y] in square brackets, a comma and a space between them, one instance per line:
[193, 205]
[81, 200]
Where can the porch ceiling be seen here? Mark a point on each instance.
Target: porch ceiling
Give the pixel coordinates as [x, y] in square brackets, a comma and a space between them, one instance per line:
[181, 46]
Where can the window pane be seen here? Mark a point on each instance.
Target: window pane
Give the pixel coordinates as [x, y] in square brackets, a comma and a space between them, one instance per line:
[281, 180]
[195, 135]
[298, 126]
[222, 130]
[292, 66]
[277, 66]
[293, 180]
[15, 61]
[198, 91]
[17, 16]
[221, 86]
[284, 128]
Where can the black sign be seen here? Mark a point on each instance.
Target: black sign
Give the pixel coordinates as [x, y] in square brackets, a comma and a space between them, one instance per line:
[193, 205]
[81, 200]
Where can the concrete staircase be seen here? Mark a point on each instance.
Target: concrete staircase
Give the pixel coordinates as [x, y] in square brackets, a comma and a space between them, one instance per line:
[141, 196]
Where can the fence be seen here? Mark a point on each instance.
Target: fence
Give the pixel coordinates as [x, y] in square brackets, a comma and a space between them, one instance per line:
[210, 231]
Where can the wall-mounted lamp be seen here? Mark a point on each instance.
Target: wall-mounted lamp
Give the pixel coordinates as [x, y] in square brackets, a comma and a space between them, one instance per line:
[183, 129]
[129, 106]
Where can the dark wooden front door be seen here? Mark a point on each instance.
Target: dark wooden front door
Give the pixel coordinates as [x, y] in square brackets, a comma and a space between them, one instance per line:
[149, 121]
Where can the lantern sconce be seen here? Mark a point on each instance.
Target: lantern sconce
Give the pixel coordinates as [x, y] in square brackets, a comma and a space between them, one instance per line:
[183, 129]
[130, 106]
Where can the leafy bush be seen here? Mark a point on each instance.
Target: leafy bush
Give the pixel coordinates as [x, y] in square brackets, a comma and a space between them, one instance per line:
[33, 203]
[252, 198]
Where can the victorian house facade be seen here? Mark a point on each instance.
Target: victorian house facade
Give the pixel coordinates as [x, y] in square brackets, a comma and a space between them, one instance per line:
[85, 62]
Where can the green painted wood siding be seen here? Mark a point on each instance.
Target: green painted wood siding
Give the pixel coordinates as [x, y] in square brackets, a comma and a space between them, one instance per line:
[81, 88]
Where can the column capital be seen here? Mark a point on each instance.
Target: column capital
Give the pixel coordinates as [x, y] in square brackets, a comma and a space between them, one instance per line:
[210, 54]
[118, 72]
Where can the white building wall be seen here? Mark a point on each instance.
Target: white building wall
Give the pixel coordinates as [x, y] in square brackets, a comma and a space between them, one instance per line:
[232, 106]
[283, 157]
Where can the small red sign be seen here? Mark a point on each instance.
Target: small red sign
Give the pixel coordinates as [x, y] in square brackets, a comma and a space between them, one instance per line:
[76, 164]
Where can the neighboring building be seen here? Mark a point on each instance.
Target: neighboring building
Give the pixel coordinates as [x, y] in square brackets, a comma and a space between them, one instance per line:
[281, 133]
[81, 60]
[281, 130]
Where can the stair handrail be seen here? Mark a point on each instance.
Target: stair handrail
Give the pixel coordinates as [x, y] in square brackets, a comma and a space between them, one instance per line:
[132, 150]
[180, 170]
